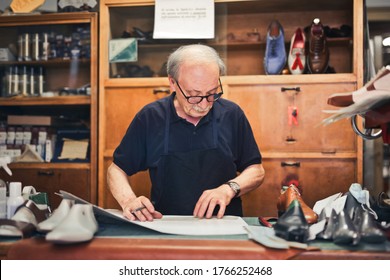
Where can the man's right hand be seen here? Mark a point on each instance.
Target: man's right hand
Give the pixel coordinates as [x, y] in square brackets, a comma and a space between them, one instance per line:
[141, 209]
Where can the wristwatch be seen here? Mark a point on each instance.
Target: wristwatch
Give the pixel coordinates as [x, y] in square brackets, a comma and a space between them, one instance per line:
[235, 187]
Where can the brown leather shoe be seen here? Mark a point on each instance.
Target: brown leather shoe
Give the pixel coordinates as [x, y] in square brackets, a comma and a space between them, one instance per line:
[318, 57]
[290, 194]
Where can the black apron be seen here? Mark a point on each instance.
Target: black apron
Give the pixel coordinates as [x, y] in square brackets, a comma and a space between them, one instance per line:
[183, 176]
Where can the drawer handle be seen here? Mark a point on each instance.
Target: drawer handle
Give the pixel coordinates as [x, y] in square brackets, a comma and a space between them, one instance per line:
[161, 90]
[285, 163]
[46, 173]
[297, 89]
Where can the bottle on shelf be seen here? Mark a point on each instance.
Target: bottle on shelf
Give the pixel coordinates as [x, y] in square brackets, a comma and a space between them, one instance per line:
[24, 81]
[15, 81]
[40, 81]
[3, 200]
[35, 46]
[15, 198]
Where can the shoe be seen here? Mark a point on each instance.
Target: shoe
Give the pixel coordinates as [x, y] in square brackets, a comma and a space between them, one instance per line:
[343, 31]
[382, 207]
[376, 87]
[367, 227]
[292, 225]
[318, 57]
[344, 231]
[292, 193]
[143, 36]
[297, 55]
[351, 204]
[275, 51]
[321, 217]
[79, 225]
[57, 217]
[23, 223]
[362, 197]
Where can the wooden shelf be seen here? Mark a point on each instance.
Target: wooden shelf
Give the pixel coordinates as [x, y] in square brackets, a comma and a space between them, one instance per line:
[341, 41]
[49, 165]
[51, 62]
[45, 19]
[57, 100]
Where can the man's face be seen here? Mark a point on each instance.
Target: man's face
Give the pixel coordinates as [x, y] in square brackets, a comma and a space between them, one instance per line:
[196, 80]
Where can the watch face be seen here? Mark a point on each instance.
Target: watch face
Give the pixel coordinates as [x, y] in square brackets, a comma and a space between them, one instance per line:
[235, 187]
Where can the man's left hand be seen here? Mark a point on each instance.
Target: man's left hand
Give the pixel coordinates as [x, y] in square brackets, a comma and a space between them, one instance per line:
[210, 199]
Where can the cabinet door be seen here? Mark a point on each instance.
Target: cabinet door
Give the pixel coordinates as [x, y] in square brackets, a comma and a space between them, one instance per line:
[121, 105]
[318, 179]
[51, 181]
[267, 108]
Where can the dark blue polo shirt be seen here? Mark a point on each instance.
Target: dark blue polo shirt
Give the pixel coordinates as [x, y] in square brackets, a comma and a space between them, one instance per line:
[143, 143]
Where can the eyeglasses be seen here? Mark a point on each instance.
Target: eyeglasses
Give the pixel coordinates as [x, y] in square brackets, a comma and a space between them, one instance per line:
[197, 99]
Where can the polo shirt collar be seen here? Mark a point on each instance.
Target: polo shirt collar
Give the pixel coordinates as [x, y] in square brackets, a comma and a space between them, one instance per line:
[174, 117]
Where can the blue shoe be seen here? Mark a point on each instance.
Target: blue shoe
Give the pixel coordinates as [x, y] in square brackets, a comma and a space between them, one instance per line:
[275, 50]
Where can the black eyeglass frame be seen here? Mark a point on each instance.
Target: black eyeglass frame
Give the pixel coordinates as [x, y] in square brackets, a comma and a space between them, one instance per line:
[215, 96]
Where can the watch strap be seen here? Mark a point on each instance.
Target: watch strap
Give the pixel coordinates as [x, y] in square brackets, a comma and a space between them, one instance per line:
[234, 186]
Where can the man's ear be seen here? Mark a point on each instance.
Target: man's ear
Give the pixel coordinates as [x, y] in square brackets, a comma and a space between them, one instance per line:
[172, 83]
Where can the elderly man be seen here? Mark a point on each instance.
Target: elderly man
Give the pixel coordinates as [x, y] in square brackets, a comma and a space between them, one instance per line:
[198, 147]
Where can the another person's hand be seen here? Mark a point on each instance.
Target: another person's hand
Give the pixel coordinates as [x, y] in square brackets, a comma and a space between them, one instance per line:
[141, 209]
[210, 199]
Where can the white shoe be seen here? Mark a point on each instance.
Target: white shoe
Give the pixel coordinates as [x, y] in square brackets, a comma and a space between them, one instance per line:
[297, 55]
[57, 217]
[79, 225]
[378, 87]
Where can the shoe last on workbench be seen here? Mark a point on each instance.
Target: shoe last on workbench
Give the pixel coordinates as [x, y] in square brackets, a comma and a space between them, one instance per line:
[377, 87]
[79, 225]
[292, 225]
[290, 194]
[57, 217]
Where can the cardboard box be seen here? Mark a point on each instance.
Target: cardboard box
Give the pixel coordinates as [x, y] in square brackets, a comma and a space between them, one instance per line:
[29, 120]
[6, 55]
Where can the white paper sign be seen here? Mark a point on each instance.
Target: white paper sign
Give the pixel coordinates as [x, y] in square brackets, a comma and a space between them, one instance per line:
[184, 19]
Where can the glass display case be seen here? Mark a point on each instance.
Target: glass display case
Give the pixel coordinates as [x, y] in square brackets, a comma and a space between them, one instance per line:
[48, 74]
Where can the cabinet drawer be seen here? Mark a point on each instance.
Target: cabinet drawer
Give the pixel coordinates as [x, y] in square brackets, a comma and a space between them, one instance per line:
[318, 179]
[51, 181]
[266, 107]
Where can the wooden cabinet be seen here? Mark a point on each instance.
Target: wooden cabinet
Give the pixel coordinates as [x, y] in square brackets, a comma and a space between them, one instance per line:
[326, 159]
[51, 178]
[68, 93]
